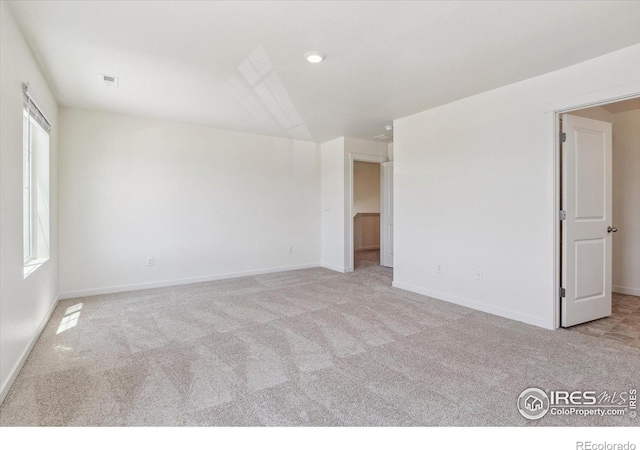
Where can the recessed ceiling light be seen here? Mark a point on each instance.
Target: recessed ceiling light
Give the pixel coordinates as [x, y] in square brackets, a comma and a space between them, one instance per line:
[314, 57]
[388, 127]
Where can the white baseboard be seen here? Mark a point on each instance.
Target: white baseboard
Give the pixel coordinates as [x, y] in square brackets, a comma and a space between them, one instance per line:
[27, 351]
[497, 311]
[332, 267]
[626, 290]
[181, 281]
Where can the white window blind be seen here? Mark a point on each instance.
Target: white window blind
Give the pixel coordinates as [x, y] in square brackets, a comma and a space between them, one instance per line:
[30, 106]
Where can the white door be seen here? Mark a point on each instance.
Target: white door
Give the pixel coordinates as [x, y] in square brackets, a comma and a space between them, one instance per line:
[386, 215]
[587, 231]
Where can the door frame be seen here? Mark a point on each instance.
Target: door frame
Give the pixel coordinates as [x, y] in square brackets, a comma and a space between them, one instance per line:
[386, 210]
[353, 157]
[553, 110]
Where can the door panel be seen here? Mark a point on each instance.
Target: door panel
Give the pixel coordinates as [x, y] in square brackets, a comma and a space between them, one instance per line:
[590, 175]
[590, 260]
[587, 200]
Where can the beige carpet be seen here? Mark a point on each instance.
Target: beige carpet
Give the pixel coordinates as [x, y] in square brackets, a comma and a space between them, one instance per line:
[310, 347]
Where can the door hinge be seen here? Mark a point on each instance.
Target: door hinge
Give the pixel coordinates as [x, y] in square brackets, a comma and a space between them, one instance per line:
[563, 214]
[563, 293]
[563, 137]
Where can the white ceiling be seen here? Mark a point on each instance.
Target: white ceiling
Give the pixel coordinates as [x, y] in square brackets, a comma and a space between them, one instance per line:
[239, 65]
[623, 106]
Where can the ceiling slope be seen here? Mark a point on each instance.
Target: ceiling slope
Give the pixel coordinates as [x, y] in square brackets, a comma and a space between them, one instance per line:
[240, 65]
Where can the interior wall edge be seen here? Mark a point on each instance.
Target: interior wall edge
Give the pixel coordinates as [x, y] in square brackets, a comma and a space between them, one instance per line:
[27, 351]
[181, 281]
[477, 306]
[626, 290]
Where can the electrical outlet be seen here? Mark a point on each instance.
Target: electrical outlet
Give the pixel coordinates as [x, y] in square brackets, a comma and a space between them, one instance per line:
[478, 274]
[150, 261]
[290, 249]
[439, 268]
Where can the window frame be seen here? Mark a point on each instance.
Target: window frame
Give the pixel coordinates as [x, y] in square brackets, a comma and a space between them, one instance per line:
[33, 255]
[27, 182]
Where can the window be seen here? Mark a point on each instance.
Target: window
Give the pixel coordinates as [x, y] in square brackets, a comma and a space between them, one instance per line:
[35, 176]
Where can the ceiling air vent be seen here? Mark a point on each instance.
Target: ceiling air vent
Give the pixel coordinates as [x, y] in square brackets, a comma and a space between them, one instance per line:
[110, 80]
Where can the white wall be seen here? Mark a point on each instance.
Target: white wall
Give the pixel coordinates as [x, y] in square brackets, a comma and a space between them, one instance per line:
[332, 204]
[474, 190]
[336, 197]
[205, 203]
[25, 304]
[626, 202]
[366, 187]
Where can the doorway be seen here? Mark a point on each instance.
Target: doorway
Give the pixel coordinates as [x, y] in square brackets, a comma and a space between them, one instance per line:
[599, 200]
[369, 212]
[366, 214]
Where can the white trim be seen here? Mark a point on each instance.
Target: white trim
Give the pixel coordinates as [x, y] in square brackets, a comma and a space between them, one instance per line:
[352, 158]
[32, 265]
[386, 216]
[626, 290]
[501, 312]
[34, 98]
[180, 281]
[552, 111]
[554, 191]
[336, 268]
[601, 97]
[27, 351]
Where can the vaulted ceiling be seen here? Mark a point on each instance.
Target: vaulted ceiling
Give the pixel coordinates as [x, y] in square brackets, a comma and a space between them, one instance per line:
[240, 65]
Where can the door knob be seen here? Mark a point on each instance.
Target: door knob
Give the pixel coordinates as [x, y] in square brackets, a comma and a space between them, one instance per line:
[611, 230]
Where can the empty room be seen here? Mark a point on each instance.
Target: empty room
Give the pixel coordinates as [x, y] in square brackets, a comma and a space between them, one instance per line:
[321, 214]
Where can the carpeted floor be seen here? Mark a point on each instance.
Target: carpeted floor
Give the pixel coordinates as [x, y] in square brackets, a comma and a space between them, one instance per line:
[309, 347]
[363, 259]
